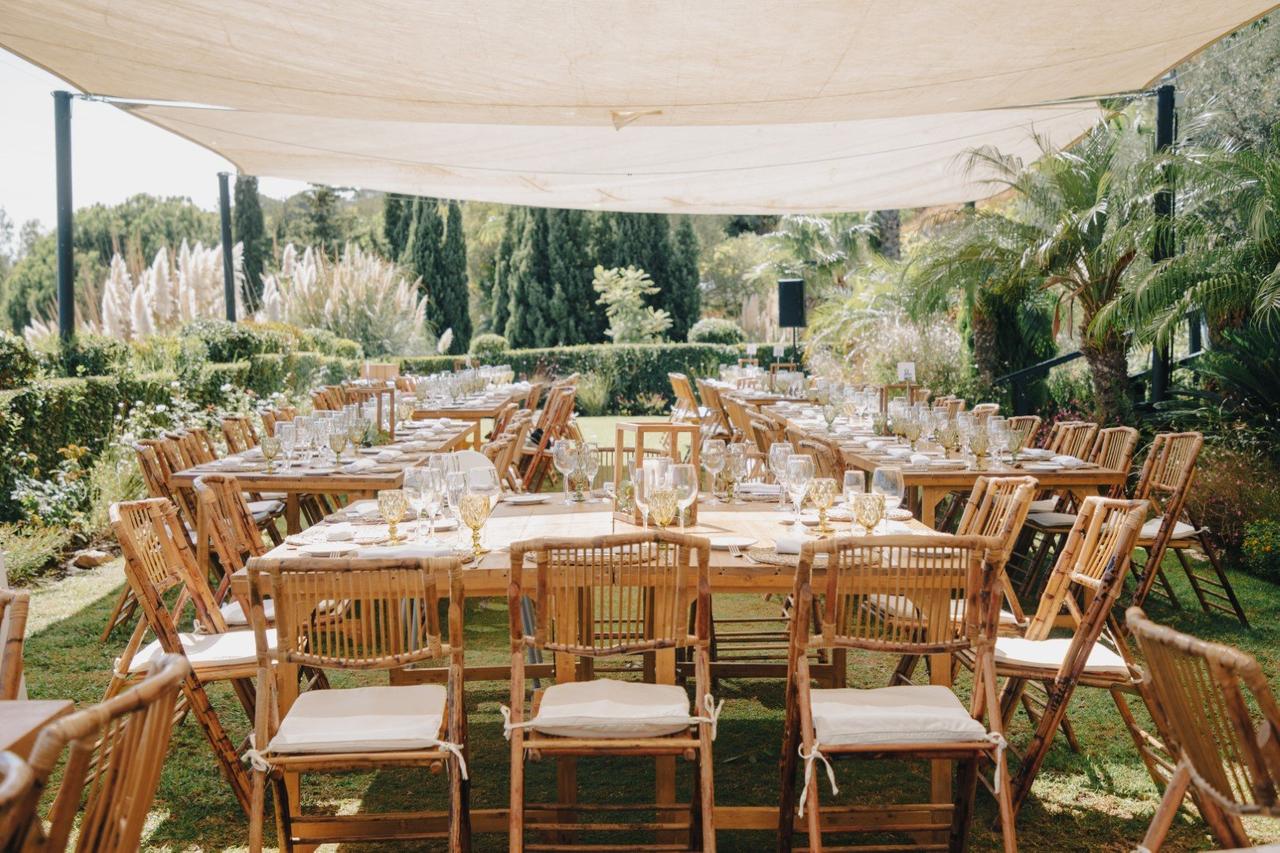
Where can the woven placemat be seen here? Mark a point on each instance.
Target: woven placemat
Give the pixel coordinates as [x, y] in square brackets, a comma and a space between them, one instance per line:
[770, 556]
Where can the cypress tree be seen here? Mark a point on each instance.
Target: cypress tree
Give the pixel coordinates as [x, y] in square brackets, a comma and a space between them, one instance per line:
[251, 233]
[500, 294]
[643, 240]
[397, 213]
[322, 218]
[452, 294]
[574, 313]
[529, 323]
[684, 301]
[423, 256]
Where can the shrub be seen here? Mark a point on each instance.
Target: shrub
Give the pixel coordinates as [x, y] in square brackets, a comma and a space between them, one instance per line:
[326, 342]
[488, 348]
[1260, 552]
[714, 330]
[595, 395]
[226, 341]
[18, 363]
[90, 355]
[1235, 485]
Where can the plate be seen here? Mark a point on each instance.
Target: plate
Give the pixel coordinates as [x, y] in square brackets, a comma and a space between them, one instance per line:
[526, 500]
[898, 514]
[724, 543]
[327, 549]
[1041, 466]
[443, 523]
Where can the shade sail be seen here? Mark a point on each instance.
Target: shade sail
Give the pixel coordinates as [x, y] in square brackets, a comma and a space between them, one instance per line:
[630, 104]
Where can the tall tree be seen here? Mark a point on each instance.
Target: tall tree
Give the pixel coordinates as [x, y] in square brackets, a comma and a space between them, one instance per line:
[424, 257]
[397, 218]
[252, 235]
[643, 240]
[451, 296]
[323, 227]
[574, 312]
[500, 290]
[684, 300]
[529, 322]
[887, 239]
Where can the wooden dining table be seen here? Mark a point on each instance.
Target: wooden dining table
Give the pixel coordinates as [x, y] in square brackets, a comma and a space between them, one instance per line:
[488, 577]
[21, 721]
[473, 411]
[296, 480]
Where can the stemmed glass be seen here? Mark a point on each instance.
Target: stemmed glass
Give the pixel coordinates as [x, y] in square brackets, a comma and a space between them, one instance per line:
[288, 433]
[413, 489]
[868, 509]
[564, 455]
[998, 436]
[735, 467]
[642, 481]
[270, 445]
[822, 491]
[684, 480]
[589, 464]
[713, 460]
[455, 486]
[779, 452]
[855, 483]
[337, 439]
[392, 506]
[887, 482]
[911, 428]
[799, 476]
[477, 503]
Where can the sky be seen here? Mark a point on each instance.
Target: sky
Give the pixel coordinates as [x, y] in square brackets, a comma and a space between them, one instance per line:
[114, 155]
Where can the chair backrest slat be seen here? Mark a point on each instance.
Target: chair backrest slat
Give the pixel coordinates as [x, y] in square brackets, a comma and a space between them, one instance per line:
[13, 608]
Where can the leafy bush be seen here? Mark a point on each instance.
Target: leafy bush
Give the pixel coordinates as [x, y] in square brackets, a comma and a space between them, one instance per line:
[88, 355]
[624, 294]
[1235, 485]
[488, 348]
[18, 363]
[226, 341]
[714, 330]
[595, 395]
[1260, 554]
[326, 342]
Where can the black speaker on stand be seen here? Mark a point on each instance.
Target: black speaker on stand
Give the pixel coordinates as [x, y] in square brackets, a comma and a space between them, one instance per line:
[791, 308]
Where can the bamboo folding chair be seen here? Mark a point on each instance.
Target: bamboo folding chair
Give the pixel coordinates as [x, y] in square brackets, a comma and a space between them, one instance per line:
[1086, 581]
[710, 396]
[554, 425]
[14, 606]
[828, 460]
[738, 416]
[748, 362]
[238, 432]
[159, 564]
[1071, 438]
[393, 622]
[982, 411]
[953, 588]
[114, 753]
[686, 408]
[595, 600]
[1222, 723]
[1165, 482]
[16, 781]
[380, 370]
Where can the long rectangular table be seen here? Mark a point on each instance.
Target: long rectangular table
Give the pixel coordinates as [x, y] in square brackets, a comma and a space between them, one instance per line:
[488, 577]
[473, 411]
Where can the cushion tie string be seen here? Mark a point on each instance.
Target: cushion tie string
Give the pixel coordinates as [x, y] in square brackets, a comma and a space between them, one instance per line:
[712, 715]
[507, 726]
[257, 760]
[815, 754]
[456, 751]
[1001, 746]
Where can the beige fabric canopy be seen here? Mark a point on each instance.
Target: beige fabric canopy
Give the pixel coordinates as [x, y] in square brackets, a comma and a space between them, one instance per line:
[695, 106]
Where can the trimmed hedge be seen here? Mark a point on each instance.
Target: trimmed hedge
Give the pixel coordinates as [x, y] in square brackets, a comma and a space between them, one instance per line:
[637, 372]
[716, 330]
[227, 342]
[51, 414]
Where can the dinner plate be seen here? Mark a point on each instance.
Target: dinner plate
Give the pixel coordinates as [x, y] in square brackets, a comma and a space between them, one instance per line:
[526, 500]
[327, 549]
[1041, 466]
[898, 514]
[724, 543]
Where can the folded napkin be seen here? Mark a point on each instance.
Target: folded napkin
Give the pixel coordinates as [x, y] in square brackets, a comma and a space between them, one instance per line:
[357, 466]
[414, 445]
[1037, 453]
[400, 551]
[760, 488]
[898, 452]
[363, 512]
[389, 456]
[788, 544]
[1068, 461]
[340, 532]
[252, 453]
[919, 460]
[873, 444]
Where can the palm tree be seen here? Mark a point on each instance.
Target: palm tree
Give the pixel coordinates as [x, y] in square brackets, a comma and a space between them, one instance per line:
[828, 250]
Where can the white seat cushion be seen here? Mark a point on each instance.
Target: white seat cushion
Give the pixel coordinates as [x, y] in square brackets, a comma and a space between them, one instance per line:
[1052, 519]
[265, 509]
[908, 713]
[233, 648]
[605, 708]
[363, 719]
[235, 617]
[1048, 654]
[1181, 530]
[1047, 505]
[904, 608]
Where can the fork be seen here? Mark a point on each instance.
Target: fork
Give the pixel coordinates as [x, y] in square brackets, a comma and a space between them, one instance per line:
[735, 551]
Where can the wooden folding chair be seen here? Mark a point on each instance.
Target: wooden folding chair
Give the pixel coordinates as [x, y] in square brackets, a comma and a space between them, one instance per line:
[379, 370]
[1166, 481]
[597, 599]
[686, 408]
[1086, 581]
[951, 588]
[982, 411]
[16, 804]
[716, 414]
[1222, 723]
[158, 563]
[13, 607]
[393, 622]
[554, 424]
[114, 753]
[238, 432]
[1071, 438]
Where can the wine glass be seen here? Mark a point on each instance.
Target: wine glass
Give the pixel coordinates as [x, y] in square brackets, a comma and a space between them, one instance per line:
[735, 467]
[413, 489]
[822, 491]
[713, 451]
[855, 483]
[589, 464]
[868, 510]
[887, 482]
[288, 433]
[911, 429]
[392, 505]
[779, 452]
[997, 435]
[684, 480]
[337, 440]
[564, 457]
[455, 486]
[642, 481]
[320, 435]
[474, 510]
[799, 476]
[270, 445]
[979, 443]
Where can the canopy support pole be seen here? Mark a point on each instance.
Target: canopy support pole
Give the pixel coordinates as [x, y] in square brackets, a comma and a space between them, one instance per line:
[65, 249]
[1164, 244]
[228, 266]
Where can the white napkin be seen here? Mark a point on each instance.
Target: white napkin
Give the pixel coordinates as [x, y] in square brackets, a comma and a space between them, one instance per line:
[414, 445]
[788, 544]
[399, 551]
[1068, 461]
[357, 466]
[1037, 453]
[760, 488]
[874, 444]
[364, 513]
[919, 460]
[252, 453]
[389, 456]
[340, 532]
[898, 452]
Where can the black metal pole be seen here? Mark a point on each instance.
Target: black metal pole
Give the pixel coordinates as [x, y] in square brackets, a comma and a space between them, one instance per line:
[1164, 244]
[228, 266]
[66, 257]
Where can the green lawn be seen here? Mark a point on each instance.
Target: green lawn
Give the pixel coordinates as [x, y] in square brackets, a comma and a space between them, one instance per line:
[1100, 799]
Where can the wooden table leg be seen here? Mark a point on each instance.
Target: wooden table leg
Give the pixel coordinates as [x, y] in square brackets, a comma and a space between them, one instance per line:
[292, 513]
[930, 497]
[665, 767]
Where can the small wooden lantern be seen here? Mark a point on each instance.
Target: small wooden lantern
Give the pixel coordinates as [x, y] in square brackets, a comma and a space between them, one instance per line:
[634, 441]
